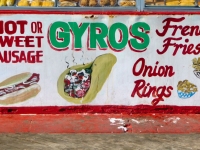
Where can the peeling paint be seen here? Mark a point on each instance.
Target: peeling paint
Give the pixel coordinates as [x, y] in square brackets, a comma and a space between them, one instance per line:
[111, 16]
[142, 121]
[172, 119]
[115, 121]
[123, 128]
[91, 17]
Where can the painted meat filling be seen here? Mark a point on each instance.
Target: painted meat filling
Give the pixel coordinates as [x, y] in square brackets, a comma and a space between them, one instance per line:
[77, 83]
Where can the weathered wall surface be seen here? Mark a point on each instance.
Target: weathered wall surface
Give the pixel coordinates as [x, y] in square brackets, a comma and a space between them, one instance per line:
[70, 64]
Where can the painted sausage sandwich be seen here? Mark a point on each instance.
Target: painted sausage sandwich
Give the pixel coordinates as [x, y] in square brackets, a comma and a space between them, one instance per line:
[19, 88]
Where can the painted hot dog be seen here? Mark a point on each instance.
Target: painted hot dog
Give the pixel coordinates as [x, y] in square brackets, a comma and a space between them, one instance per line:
[80, 84]
[19, 88]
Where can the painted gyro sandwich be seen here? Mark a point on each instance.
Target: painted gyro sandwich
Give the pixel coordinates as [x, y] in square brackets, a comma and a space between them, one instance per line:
[19, 88]
[80, 84]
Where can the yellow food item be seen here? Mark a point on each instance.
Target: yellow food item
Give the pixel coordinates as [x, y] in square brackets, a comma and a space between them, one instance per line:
[3, 3]
[35, 3]
[187, 1]
[186, 4]
[48, 3]
[10, 2]
[112, 2]
[127, 3]
[177, 2]
[84, 2]
[67, 3]
[196, 64]
[154, 2]
[92, 2]
[186, 87]
[104, 2]
[172, 2]
[23, 3]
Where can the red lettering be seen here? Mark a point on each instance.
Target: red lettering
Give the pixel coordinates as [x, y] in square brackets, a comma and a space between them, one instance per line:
[10, 27]
[197, 49]
[7, 40]
[22, 24]
[15, 56]
[1, 27]
[170, 72]
[39, 55]
[187, 48]
[33, 27]
[18, 41]
[142, 89]
[169, 89]
[139, 85]
[6, 57]
[39, 40]
[39, 26]
[21, 56]
[167, 44]
[196, 30]
[168, 26]
[143, 69]
[184, 31]
[155, 101]
[142, 61]
[190, 49]
[28, 40]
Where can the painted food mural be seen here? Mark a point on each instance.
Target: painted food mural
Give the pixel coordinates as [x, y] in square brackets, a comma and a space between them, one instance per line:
[196, 66]
[186, 89]
[19, 88]
[80, 84]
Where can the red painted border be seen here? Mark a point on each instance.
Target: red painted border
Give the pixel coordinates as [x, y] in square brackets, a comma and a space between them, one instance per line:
[100, 123]
[114, 12]
[106, 109]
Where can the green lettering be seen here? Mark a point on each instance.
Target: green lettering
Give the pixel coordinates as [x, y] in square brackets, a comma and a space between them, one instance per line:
[65, 35]
[78, 33]
[124, 37]
[98, 37]
[142, 36]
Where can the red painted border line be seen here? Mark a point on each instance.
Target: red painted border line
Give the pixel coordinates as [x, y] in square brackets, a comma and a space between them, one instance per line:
[105, 12]
[105, 109]
[100, 123]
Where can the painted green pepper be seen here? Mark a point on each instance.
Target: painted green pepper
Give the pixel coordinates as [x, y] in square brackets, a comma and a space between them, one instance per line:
[101, 68]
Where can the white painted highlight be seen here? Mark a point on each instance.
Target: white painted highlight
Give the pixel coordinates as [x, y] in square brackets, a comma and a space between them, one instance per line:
[118, 121]
[123, 128]
[172, 119]
[142, 121]
[115, 121]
